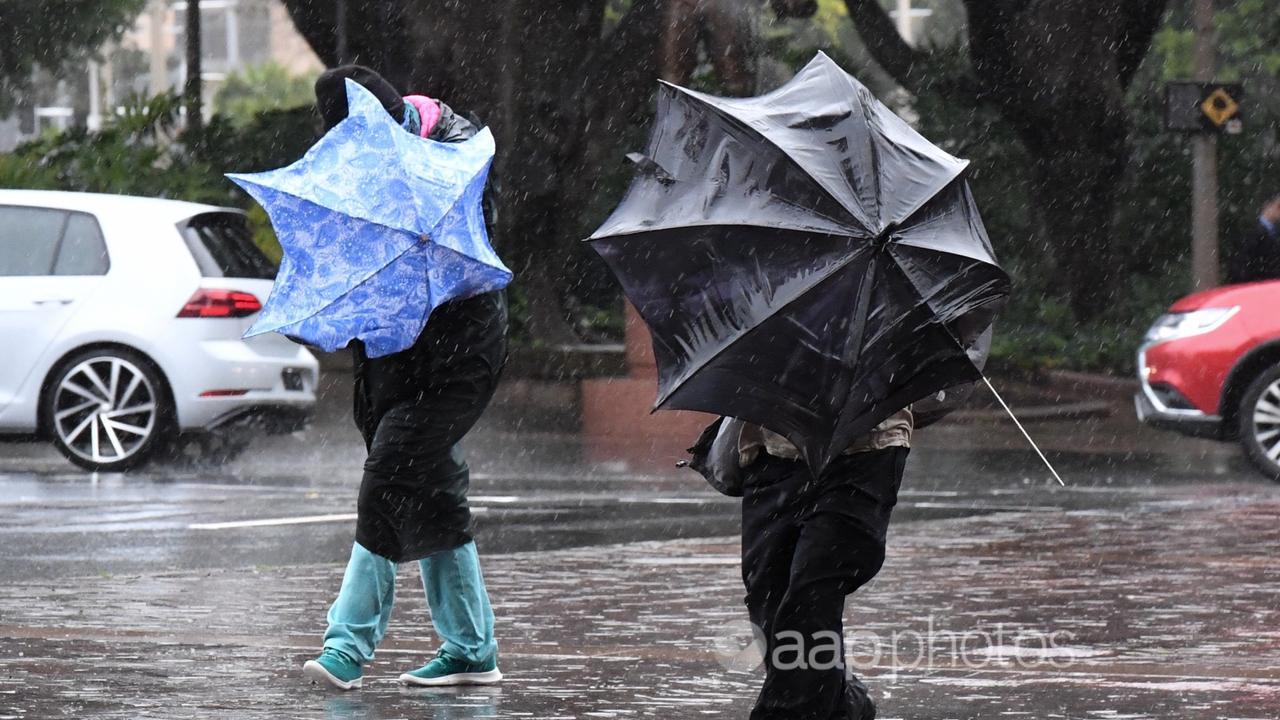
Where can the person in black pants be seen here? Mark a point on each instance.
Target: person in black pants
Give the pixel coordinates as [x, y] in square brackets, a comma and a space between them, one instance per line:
[806, 545]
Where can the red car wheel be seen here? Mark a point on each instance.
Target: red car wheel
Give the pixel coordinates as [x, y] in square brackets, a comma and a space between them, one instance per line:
[1260, 422]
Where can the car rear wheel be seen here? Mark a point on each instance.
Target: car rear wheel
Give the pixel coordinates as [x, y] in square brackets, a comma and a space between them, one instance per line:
[107, 409]
[1260, 422]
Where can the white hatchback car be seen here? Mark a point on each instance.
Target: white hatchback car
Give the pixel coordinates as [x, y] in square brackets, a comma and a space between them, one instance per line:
[121, 322]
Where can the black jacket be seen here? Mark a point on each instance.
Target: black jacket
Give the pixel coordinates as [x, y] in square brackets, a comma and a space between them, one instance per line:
[452, 127]
[1256, 257]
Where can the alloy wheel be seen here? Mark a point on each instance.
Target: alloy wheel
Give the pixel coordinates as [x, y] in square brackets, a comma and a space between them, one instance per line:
[1266, 422]
[104, 409]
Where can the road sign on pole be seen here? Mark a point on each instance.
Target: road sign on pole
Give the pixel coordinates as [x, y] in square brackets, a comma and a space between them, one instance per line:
[1193, 106]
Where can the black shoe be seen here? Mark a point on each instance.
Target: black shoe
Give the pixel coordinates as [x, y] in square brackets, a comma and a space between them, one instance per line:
[860, 705]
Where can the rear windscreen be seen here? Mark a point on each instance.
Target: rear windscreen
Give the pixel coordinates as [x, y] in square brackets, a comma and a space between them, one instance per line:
[223, 246]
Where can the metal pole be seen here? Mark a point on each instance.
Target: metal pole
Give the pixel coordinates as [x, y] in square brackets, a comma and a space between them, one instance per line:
[1204, 164]
[193, 88]
[94, 121]
[340, 29]
[159, 71]
[904, 21]
[233, 36]
[108, 74]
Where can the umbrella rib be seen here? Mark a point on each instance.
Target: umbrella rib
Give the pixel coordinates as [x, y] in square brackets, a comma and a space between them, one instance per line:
[894, 263]
[868, 119]
[353, 287]
[1025, 434]
[924, 199]
[311, 201]
[452, 207]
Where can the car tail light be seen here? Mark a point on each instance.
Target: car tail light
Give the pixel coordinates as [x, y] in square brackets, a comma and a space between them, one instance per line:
[223, 393]
[208, 303]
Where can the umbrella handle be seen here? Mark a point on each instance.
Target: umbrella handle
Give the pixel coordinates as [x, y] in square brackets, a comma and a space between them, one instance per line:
[1025, 434]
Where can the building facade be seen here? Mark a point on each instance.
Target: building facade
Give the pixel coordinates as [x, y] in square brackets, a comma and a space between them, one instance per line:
[150, 59]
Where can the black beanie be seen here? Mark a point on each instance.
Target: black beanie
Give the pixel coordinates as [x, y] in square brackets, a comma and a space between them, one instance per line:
[331, 93]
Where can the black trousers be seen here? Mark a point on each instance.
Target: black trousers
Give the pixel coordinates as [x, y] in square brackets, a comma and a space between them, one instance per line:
[805, 546]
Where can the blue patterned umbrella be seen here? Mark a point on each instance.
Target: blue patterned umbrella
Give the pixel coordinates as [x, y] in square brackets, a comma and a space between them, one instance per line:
[379, 227]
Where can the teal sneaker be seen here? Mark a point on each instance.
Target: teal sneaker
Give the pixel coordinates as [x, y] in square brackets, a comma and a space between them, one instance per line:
[335, 668]
[448, 670]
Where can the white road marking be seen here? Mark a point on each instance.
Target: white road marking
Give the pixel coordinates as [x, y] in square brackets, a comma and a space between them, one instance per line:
[300, 520]
[267, 522]
[495, 499]
[490, 499]
[667, 500]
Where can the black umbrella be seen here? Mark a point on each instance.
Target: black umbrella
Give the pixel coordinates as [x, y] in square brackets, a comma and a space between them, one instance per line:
[804, 259]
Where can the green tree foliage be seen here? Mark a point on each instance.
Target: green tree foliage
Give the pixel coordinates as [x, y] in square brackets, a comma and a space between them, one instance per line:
[1249, 32]
[51, 33]
[139, 153]
[135, 154]
[248, 93]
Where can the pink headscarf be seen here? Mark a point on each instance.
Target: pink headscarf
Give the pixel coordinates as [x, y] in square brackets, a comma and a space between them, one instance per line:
[428, 110]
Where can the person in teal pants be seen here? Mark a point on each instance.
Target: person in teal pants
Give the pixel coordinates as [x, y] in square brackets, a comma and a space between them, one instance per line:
[460, 611]
[413, 408]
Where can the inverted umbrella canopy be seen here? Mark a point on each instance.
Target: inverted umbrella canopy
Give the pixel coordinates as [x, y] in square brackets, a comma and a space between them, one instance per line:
[804, 259]
[379, 227]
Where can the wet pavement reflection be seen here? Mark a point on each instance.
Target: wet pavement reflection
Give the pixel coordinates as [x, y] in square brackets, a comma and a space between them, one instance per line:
[1163, 607]
[1145, 589]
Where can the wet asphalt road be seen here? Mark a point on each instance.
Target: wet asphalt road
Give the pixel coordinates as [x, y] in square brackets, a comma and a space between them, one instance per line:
[196, 587]
[1159, 608]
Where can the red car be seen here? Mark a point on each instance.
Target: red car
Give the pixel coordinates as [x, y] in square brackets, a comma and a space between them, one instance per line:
[1210, 367]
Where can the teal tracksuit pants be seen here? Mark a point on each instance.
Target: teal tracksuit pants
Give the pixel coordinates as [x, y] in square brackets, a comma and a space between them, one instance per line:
[456, 594]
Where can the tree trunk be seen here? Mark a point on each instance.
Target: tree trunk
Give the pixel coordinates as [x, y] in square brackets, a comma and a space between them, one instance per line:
[547, 139]
[1074, 124]
[378, 32]
[560, 97]
[1028, 61]
[1075, 198]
